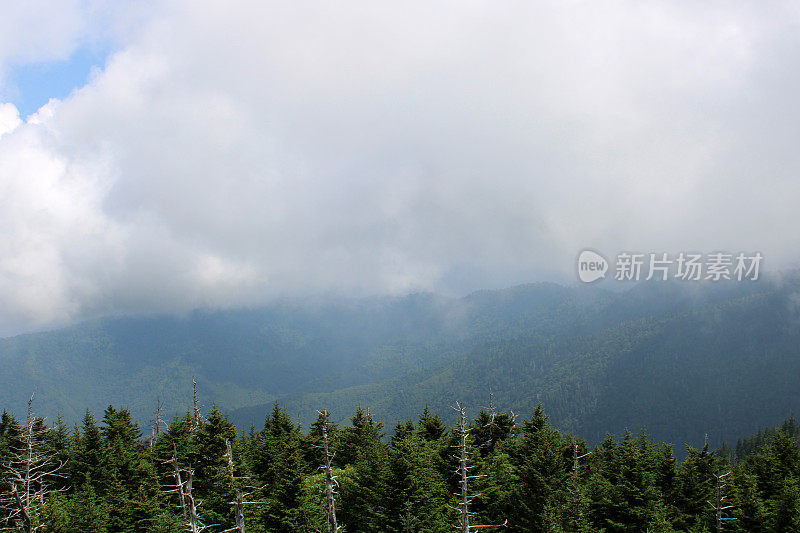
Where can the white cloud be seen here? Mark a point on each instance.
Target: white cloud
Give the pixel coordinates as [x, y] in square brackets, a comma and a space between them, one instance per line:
[233, 151]
[9, 118]
[42, 32]
[38, 30]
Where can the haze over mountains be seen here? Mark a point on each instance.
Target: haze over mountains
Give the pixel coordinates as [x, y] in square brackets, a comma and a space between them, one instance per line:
[681, 360]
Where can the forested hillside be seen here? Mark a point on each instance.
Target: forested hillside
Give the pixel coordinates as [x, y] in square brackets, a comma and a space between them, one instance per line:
[197, 473]
[684, 361]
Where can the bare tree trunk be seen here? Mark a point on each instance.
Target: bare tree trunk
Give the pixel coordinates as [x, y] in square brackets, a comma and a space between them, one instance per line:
[463, 469]
[27, 471]
[23, 511]
[194, 520]
[330, 479]
[575, 489]
[197, 417]
[239, 508]
[238, 503]
[184, 478]
[240, 497]
[155, 429]
[178, 481]
[465, 498]
[721, 505]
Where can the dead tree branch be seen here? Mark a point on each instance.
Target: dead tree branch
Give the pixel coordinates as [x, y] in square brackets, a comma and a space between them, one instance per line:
[462, 455]
[330, 480]
[27, 472]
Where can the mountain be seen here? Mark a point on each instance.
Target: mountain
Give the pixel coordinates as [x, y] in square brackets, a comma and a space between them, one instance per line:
[682, 360]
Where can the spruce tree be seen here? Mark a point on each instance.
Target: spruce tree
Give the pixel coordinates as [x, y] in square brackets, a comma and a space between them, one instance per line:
[364, 491]
[278, 466]
[212, 483]
[129, 478]
[85, 465]
[542, 468]
[418, 492]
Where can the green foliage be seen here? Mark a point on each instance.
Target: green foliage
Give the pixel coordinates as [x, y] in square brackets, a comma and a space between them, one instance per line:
[364, 492]
[80, 512]
[657, 355]
[526, 478]
[418, 491]
[276, 458]
[764, 437]
[542, 470]
[211, 466]
[623, 488]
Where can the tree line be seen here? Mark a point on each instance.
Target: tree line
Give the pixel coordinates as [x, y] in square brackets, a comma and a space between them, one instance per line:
[493, 472]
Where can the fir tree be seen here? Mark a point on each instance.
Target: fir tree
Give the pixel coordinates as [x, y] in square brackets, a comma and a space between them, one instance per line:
[277, 463]
[364, 491]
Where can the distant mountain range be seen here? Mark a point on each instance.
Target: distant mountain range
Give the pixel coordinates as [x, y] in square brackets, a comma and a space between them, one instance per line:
[682, 360]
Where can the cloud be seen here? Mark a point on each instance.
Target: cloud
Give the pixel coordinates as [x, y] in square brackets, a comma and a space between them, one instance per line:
[232, 152]
[41, 34]
[9, 118]
[37, 30]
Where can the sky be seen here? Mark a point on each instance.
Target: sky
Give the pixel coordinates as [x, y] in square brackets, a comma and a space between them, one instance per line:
[171, 155]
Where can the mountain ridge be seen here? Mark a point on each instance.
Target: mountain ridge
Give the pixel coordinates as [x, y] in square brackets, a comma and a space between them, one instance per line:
[652, 355]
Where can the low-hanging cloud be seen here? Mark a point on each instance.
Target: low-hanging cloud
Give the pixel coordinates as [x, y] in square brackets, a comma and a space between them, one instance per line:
[231, 152]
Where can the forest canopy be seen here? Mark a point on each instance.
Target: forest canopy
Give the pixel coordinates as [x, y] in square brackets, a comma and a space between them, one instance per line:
[198, 473]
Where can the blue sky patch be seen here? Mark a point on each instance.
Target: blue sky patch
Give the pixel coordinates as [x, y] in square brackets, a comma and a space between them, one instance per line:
[31, 86]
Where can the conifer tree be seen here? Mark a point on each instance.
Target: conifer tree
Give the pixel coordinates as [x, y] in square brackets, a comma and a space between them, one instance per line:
[419, 495]
[431, 427]
[697, 488]
[543, 461]
[623, 491]
[785, 507]
[748, 506]
[85, 466]
[364, 491]
[30, 466]
[278, 466]
[211, 470]
[129, 478]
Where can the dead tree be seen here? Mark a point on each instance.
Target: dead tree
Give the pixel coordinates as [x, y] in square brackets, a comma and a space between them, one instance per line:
[184, 477]
[575, 489]
[156, 424]
[492, 425]
[197, 416]
[462, 456]
[178, 487]
[195, 524]
[26, 473]
[721, 504]
[238, 502]
[183, 488]
[330, 480]
[240, 497]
